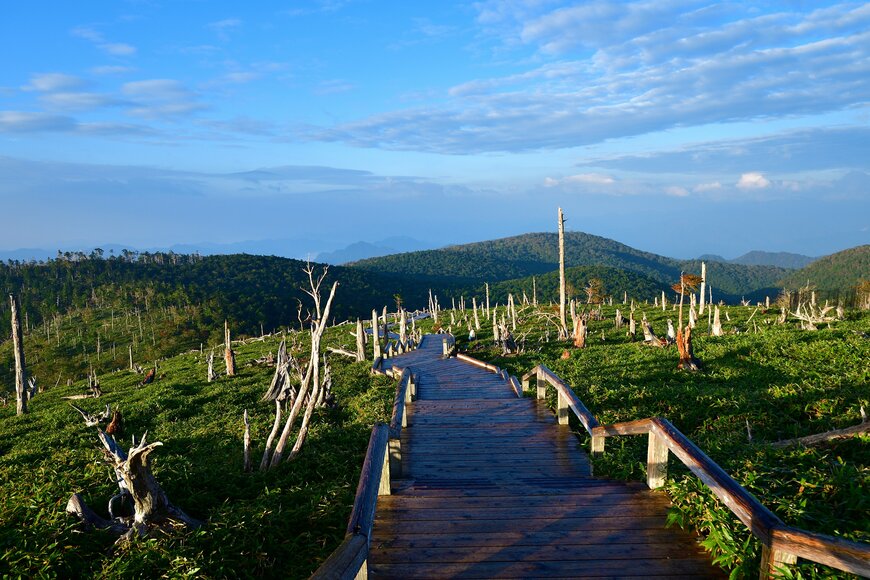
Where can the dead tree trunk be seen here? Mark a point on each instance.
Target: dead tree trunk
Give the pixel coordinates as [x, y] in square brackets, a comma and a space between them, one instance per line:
[688, 362]
[376, 341]
[580, 332]
[716, 328]
[649, 336]
[562, 289]
[703, 288]
[151, 506]
[360, 341]
[20, 364]
[210, 374]
[246, 450]
[229, 355]
[403, 327]
[312, 375]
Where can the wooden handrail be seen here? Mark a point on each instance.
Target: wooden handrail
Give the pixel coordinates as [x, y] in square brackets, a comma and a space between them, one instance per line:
[403, 395]
[349, 559]
[478, 363]
[781, 544]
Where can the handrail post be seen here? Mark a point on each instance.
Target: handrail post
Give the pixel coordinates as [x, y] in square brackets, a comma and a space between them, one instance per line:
[394, 460]
[771, 559]
[445, 350]
[542, 385]
[656, 461]
[598, 444]
[384, 485]
[561, 409]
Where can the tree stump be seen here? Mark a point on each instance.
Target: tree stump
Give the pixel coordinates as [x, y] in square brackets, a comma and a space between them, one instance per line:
[688, 362]
[150, 505]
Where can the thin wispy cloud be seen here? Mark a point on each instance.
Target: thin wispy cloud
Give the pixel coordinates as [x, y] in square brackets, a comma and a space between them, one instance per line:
[109, 47]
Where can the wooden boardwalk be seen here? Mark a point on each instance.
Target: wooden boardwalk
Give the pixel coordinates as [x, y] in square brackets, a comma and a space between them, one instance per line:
[493, 487]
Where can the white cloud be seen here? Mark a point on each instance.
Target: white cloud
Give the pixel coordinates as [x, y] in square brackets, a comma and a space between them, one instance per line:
[753, 180]
[28, 122]
[332, 87]
[111, 70]
[223, 27]
[99, 40]
[707, 187]
[118, 48]
[77, 101]
[676, 191]
[580, 179]
[49, 82]
[160, 98]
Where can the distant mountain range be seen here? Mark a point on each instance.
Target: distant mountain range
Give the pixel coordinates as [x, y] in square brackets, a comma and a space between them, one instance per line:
[761, 258]
[362, 250]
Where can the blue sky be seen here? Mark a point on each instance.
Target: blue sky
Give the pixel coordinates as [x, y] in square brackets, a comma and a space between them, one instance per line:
[676, 127]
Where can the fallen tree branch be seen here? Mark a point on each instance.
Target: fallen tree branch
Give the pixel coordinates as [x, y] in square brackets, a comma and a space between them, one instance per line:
[810, 440]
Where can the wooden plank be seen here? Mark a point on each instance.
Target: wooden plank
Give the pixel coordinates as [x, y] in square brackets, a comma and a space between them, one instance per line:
[579, 553]
[586, 537]
[389, 525]
[519, 513]
[596, 569]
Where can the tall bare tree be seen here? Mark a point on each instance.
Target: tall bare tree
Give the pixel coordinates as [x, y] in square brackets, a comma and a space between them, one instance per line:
[562, 317]
[310, 387]
[20, 364]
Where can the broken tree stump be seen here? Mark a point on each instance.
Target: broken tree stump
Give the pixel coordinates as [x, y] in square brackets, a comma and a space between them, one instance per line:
[688, 362]
[151, 508]
[229, 355]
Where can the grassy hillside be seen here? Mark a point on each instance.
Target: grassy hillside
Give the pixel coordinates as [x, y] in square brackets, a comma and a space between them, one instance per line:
[835, 275]
[278, 524]
[535, 254]
[779, 382]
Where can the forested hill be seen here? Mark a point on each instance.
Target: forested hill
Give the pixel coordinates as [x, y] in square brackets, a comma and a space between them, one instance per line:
[534, 254]
[248, 290]
[616, 282]
[834, 275]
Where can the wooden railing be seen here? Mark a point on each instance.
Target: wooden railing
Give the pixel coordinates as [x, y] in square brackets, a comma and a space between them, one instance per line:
[382, 464]
[393, 348]
[781, 544]
[406, 392]
[448, 345]
[349, 560]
